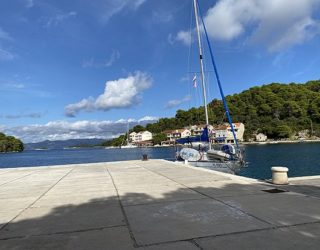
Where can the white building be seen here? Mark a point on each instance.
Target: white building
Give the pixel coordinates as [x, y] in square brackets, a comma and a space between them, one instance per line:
[141, 136]
[172, 135]
[261, 137]
[219, 134]
[223, 133]
[238, 130]
[132, 136]
[198, 129]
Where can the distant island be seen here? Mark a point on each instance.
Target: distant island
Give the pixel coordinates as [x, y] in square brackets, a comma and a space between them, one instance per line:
[63, 144]
[10, 144]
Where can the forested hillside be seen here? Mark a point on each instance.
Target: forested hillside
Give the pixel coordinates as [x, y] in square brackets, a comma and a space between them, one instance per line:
[278, 110]
[10, 144]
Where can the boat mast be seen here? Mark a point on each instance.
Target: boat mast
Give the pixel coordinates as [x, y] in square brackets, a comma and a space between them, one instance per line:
[128, 133]
[201, 66]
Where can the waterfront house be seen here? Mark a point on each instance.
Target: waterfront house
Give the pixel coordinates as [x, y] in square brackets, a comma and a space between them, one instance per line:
[223, 133]
[141, 136]
[261, 137]
[174, 134]
[132, 136]
[144, 136]
[238, 130]
[198, 129]
[219, 134]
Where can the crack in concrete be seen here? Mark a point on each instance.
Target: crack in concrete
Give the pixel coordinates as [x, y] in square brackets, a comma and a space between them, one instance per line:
[65, 232]
[185, 186]
[135, 244]
[4, 225]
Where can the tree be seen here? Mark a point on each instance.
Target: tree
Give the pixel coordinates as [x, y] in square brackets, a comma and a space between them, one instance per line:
[283, 131]
[117, 142]
[10, 144]
[158, 138]
[138, 128]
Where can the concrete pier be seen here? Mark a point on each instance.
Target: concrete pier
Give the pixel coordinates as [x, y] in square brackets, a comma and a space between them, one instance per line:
[153, 205]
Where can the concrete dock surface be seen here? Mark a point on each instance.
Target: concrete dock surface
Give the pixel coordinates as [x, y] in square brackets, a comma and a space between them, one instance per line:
[154, 205]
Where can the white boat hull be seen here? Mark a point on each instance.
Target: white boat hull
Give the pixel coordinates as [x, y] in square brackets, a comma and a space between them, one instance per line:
[218, 155]
[225, 167]
[129, 146]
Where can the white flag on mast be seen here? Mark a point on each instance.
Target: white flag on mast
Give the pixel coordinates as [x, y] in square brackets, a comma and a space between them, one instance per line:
[194, 81]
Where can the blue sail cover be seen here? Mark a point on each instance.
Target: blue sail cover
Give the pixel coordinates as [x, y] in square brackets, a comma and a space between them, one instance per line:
[203, 137]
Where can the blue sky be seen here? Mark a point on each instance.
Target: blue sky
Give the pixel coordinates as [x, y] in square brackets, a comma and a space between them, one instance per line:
[79, 69]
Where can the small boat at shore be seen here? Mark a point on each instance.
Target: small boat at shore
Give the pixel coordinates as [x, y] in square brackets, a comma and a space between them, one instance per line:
[128, 144]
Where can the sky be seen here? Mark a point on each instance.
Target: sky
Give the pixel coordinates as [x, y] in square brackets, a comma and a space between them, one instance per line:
[87, 69]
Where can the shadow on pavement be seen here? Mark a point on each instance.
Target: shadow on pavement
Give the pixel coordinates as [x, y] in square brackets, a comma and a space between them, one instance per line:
[216, 215]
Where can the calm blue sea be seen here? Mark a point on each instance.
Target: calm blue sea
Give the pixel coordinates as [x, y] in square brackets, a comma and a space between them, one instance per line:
[302, 159]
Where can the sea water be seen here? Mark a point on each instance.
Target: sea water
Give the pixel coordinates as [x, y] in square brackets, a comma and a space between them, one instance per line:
[302, 159]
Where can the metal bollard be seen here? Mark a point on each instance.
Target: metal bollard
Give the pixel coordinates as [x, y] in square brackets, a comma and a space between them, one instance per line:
[279, 175]
[144, 157]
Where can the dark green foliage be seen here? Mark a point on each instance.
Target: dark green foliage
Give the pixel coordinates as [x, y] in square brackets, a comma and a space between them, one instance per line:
[117, 142]
[283, 131]
[137, 129]
[10, 144]
[105, 144]
[158, 138]
[277, 110]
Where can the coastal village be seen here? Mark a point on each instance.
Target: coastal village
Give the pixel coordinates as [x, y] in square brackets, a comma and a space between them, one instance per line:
[217, 134]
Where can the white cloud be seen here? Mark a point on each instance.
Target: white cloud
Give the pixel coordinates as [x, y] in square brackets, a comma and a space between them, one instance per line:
[113, 7]
[31, 90]
[276, 24]
[137, 3]
[6, 55]
[29, 3]
[148, 119]
[283, 59]
[63, 130]
[10, 86]
[185, 78]
[84, 105]
[184, 37]
[24, 115]
[174, 103]
[121, 93]
[162, 17]
[226, 20]
[92, 63]
[4, 35]
[59, 18]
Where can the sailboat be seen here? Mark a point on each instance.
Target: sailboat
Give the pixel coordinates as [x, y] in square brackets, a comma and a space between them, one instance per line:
[229, 157]
[128, 144]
